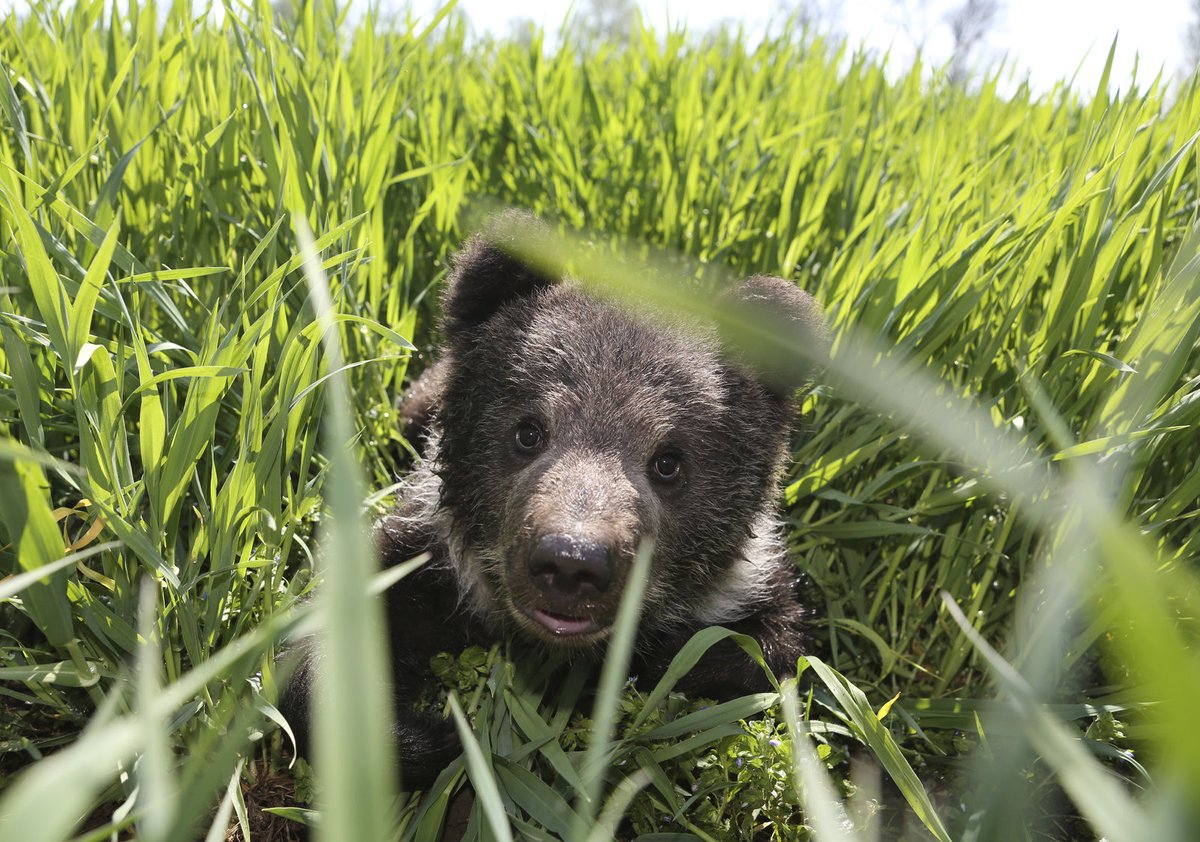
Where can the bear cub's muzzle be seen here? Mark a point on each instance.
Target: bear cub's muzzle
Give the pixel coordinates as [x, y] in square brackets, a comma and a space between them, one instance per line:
[573, 580]
[579, 526]
[567, 569]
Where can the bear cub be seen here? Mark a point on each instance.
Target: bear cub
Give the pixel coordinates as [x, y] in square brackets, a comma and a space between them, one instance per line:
[564, 430]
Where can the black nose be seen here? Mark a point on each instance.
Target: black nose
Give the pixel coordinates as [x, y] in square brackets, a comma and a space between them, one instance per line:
[566, 567]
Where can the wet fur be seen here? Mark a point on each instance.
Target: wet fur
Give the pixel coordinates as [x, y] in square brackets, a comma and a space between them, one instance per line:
[613, 389]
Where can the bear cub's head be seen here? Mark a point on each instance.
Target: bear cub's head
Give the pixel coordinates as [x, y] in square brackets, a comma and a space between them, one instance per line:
[572, 430]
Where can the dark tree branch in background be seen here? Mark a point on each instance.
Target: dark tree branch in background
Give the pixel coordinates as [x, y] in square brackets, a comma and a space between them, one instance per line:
[606, 20]
[522, 30]
[969, 23]
[1192, 39]
[809, 14]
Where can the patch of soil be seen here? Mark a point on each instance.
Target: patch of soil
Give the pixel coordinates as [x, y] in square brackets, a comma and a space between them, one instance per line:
[270, 788]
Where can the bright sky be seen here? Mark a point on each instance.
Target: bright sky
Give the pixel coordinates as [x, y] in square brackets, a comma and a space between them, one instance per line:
[1051, 39]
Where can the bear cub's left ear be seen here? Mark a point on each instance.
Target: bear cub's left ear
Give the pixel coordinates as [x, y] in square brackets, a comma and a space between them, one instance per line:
[488, 274]
[778, 332]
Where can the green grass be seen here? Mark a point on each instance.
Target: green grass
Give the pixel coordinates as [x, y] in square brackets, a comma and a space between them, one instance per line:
[995, 487]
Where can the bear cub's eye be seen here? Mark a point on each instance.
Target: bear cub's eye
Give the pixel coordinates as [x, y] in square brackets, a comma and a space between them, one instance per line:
[529, 436]
[666, 466]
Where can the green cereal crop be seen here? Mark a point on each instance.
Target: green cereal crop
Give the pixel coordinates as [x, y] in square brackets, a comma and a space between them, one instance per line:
[222, 233]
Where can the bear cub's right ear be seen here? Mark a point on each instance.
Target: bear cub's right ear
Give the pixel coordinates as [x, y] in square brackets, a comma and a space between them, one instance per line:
[487, 273]
[783, 314]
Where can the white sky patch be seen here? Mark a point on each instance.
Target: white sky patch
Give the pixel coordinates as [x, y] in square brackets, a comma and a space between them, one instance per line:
[1047, 40]
[1050, 40]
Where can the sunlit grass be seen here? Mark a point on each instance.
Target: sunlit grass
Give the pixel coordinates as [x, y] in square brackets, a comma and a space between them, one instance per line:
[994, 487]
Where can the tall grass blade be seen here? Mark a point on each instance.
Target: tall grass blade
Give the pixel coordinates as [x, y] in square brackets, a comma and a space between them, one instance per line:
[352, 705]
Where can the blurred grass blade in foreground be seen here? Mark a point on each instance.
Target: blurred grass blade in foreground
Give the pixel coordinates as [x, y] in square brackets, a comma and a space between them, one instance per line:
[352, 705]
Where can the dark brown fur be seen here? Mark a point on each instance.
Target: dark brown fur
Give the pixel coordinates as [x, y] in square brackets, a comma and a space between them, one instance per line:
[609, 393]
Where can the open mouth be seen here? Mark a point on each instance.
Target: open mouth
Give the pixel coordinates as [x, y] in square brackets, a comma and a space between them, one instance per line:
[562, 625]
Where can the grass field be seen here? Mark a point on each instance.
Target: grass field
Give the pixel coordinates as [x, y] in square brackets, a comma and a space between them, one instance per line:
[995, 488]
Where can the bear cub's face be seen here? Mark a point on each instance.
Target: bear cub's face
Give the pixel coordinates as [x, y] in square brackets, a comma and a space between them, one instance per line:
[572, 431]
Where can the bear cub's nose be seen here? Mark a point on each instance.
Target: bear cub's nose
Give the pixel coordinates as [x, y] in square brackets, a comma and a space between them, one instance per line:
[565, 567]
